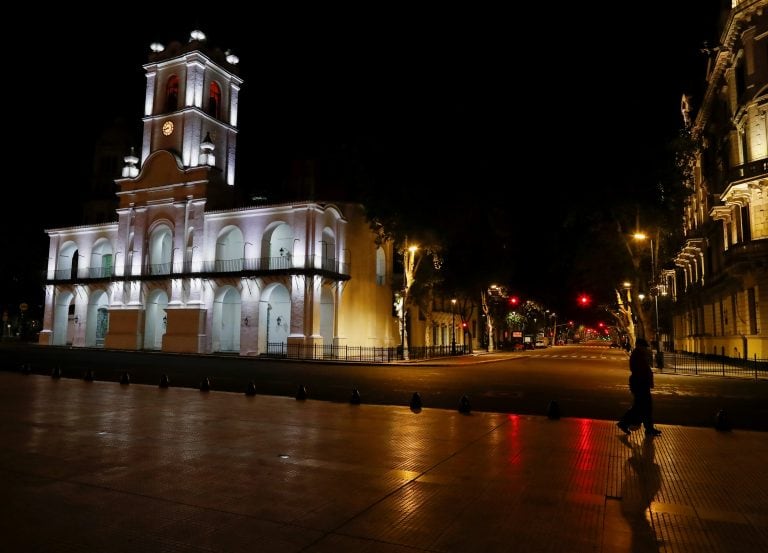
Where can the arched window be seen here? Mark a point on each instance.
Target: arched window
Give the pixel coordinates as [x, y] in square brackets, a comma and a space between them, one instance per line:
[172, 94]
[214, 100]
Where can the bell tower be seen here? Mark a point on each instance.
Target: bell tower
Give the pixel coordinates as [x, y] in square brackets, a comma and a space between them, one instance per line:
[190, 107]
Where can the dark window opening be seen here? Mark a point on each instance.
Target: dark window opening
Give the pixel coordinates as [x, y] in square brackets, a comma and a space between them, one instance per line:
[172, 94]
[740, 79]
[746, 229]
[752, 306]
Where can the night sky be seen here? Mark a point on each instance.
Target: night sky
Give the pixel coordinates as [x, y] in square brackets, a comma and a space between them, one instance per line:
[532, 110]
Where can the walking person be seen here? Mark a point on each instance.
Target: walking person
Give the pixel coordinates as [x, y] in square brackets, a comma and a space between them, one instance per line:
[640, 384]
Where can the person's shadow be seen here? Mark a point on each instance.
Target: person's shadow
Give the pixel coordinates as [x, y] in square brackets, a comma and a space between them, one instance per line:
[642, 481]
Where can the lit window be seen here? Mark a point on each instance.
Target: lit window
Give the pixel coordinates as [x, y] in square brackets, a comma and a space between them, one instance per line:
[214, 100]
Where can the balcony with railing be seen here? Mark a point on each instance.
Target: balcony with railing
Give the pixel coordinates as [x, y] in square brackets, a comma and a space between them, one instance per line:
[747, 255]
[261, 266]
[749, 170]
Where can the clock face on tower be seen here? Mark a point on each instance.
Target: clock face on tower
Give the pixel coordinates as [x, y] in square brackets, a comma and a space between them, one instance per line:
[168, 128]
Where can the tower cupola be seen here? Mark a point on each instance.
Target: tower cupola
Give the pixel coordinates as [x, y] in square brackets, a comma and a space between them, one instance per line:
[191, 102]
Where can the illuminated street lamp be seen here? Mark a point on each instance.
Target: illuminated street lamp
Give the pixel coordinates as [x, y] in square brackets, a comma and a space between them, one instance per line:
[642, 236]
[453, 327]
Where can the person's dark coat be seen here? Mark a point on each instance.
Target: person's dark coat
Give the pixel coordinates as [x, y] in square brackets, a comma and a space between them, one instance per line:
[641, 377]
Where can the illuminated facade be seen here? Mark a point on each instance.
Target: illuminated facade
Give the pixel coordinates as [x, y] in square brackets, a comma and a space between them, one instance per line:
[182, 270]
[720, 287]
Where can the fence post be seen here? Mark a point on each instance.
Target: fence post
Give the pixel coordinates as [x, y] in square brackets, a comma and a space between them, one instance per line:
[695, 364]
[722, 362]
[755, 367]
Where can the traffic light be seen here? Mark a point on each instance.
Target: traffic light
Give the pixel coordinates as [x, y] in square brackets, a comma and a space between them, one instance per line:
[584, 300]
[514, 301]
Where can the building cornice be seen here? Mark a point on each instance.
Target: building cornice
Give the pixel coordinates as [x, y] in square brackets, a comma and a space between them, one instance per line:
[83, 229]
[739, 14]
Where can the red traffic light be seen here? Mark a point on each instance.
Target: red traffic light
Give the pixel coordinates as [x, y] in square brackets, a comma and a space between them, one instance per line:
[513, 300]
[584, 300]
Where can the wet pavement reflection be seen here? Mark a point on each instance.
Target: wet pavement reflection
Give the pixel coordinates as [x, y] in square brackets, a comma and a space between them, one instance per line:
[99, 466]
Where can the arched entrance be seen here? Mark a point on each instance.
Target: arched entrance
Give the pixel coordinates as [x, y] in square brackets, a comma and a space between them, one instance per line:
[64, 319]
[160, 250]
[155, 319]
[97, 320]
[101, 259]
[230, 250]
[226, 320]
[67, 262]
[328, 250]
[277, 246]
[274, 317]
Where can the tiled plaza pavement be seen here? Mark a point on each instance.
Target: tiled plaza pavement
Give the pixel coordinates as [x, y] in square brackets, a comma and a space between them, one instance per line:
[106, 467]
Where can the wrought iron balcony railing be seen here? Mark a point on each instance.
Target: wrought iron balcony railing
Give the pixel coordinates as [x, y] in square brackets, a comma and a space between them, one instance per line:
[748, 170]
[214, 266]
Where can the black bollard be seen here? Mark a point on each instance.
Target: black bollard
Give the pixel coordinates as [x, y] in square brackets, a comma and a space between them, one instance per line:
[464, 406]
[553, 410]
[205, 384]
[416, 402]
[721, 421]
[355, 399]
[125, 378]
[88, 376]
[250, 390]
[301, 392]
[56, 373]
[164, 381]
[26, 368]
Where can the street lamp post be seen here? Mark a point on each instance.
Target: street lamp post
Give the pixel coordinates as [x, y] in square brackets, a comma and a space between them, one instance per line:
[453, 327]
[643, 236]
[554, 330]
[655, 297]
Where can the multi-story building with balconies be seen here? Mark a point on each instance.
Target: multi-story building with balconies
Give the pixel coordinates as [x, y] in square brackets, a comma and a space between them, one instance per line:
[182, 270]
[720, 286]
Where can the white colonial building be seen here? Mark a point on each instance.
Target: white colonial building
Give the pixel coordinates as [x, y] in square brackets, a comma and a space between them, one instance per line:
[182, 270]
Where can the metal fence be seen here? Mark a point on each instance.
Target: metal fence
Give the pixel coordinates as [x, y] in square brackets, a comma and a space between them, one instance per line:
[713, 365]
[359, 353]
